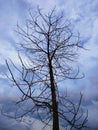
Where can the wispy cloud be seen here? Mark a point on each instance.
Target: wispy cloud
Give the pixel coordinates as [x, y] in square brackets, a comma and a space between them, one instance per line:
[83, 16]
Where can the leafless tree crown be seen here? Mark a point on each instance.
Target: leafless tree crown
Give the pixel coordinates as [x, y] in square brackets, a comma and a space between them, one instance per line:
[51, 48]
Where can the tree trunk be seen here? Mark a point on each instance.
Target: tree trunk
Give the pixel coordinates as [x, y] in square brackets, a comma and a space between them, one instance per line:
[54, 100]
[55, 117]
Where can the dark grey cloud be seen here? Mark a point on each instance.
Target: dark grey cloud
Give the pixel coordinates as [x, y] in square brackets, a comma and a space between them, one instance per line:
[11, 124]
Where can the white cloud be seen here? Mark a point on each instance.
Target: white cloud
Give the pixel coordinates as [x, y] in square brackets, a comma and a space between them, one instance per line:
[83, 16]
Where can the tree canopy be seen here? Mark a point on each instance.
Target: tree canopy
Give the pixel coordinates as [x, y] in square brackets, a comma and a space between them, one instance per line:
[51, 48]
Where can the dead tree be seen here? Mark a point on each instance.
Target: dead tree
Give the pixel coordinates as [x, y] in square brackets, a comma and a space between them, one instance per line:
[50, 47]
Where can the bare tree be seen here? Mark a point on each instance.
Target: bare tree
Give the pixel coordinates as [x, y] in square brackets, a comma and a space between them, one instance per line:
[50, 47]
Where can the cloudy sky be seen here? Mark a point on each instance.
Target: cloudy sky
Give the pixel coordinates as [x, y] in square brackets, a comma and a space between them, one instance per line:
[83, 15]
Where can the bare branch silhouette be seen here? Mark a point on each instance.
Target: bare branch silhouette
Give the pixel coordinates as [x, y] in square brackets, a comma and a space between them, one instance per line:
[50, 47]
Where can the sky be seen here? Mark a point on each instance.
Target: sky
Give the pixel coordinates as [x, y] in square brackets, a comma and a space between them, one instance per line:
[83, 15]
